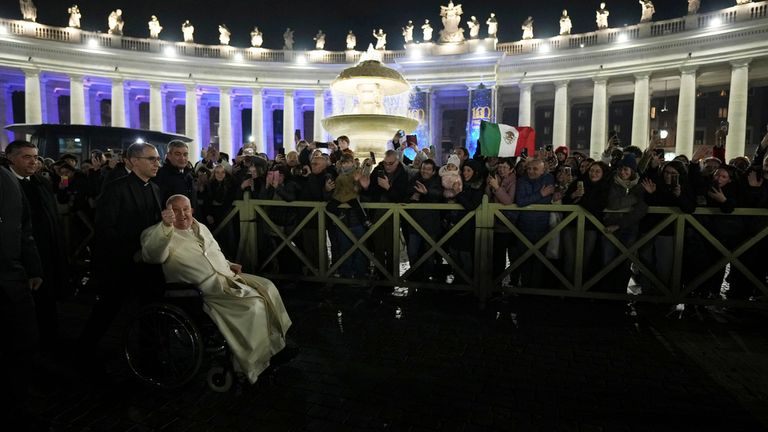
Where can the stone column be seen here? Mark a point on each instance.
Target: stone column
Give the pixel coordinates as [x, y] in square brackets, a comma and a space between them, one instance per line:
[156, 107]
[599, 118]
[118, 103]
[319, 115]
[257, 119]
[526, 106]
[686, 112]
[641, 110]
[737, 110]
[76, 100]
[225, 121]
[288, 121]
[4, 118]
[497, 106]
[33, 102]
[561, 120]
[435, 126]
[191, 126]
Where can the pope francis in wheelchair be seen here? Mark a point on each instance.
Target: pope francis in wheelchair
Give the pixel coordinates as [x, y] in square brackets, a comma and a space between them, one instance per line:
[247, 309]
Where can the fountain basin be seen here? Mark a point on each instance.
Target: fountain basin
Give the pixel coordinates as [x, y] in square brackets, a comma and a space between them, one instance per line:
[368, 132]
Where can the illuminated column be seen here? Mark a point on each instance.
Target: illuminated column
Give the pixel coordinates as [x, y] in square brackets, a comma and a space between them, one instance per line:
[33, 105]
[641, 110]
[4, 118]
[191, 125]
[599, 118]
[319, 115]
[561, 120]
[257, 119]
[480, 102]
[76, 100]
[686, 112]
[156, 107]
[524, 118]
[288, 121]
[118, 103]
[225, 121]
[737, 110]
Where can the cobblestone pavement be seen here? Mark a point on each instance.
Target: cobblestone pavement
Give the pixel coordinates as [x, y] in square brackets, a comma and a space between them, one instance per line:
[431, 362]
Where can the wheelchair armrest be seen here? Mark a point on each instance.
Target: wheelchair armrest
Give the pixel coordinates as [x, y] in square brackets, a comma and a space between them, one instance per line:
[179, 290]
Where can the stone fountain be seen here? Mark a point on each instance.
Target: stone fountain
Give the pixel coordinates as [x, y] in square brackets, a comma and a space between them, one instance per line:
[367, 124]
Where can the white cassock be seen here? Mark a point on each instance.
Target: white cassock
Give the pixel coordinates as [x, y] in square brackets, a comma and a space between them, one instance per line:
[247, 309]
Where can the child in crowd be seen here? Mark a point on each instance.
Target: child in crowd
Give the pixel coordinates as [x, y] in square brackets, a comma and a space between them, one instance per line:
[449, 175]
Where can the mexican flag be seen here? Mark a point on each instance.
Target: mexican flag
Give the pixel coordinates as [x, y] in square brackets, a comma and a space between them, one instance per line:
[505, 141]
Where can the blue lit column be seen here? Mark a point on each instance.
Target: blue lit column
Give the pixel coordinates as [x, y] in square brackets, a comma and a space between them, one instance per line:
[257, 119]
[4, 118]
[418, 109]
[191, 121]
[33, 106]
[480, 102]
[118, 103]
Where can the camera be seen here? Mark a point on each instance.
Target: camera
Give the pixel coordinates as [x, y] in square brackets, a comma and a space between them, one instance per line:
[675, 180]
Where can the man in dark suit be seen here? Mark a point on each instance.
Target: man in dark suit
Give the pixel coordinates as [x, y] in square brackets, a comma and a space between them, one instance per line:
[20, 273]
[125, 208]
[46, 227]
[175, 177]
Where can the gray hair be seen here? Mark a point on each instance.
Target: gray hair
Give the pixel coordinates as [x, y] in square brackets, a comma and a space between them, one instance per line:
[137, 149]
[174, 198]
[177, 144]
[15, 146]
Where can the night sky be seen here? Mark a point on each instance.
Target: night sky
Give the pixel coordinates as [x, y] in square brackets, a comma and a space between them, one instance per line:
[336, 17]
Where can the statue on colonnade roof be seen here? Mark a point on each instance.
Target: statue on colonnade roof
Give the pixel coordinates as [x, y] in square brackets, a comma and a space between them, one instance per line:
[257, 38]
[565, 23]
[154, 27]
[743, 2]
[351, 40]
[189, 32]
[474, 27]
[693, 6]
[74, 16]
[115, 22]
[648, 11]
[288, 39]
[224, 34]
[601, 17]
[527, 28]
[319, 40]
[28, 10]
[381, 39]
[451, 16]
[408, 32]
[493, 26]
[427, 30]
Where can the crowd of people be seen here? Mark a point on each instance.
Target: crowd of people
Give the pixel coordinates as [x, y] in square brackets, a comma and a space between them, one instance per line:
[118, 196]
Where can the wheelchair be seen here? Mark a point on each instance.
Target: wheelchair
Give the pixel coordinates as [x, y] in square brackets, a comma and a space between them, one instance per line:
[168, 341]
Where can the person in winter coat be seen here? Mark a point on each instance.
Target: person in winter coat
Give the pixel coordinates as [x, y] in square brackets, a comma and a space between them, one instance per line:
[627, 202]
[536, 187]
[469, 193]
[426, 189]
[450, 177]
[501, 190]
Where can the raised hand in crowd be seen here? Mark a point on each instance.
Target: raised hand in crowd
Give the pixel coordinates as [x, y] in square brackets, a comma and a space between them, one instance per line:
[330, 185]
[547, 190]
[384, 183]
[458, 186]
[247, 183]
[648, 185]
[754, 179]
[716, 194]
[493, 182]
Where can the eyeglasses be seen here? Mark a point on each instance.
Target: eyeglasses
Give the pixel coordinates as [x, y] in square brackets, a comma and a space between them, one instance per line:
[151, 159]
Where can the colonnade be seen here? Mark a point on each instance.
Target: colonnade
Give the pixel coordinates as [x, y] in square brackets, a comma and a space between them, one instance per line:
[123, 105]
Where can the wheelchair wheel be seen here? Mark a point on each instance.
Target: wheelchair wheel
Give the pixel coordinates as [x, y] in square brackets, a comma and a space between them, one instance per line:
[219, 379]
[163, 346]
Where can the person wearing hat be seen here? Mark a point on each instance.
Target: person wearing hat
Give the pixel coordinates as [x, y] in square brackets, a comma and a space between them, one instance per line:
[561, 153]
[626, 199]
